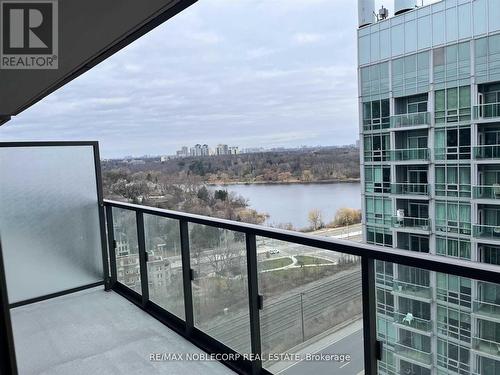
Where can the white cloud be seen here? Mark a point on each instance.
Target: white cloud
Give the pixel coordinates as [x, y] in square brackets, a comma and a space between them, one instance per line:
[207, 37]
[307, 38]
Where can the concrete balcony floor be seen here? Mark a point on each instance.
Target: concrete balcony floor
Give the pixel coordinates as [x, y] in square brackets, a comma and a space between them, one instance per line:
[98, 332]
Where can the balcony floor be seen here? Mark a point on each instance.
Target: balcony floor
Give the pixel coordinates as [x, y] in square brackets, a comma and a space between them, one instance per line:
[98, 332]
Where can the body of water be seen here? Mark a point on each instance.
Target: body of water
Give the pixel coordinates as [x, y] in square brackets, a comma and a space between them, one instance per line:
[291, 203]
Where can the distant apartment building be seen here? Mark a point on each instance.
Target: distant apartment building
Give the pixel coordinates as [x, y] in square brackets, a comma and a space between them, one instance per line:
[195, 151]
[429, 103]
[205, 151]
[222, 149]
[199, 150]
[127, 259]
[183, 152]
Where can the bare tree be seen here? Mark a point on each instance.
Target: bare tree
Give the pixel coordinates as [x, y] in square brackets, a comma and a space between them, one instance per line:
[315, 219]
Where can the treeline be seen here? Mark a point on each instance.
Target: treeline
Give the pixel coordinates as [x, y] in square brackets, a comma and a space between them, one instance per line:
[157, 189]
[311, 165]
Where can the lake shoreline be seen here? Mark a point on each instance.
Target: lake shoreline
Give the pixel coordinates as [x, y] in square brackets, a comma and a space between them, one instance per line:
[297, 182]
[290, 203]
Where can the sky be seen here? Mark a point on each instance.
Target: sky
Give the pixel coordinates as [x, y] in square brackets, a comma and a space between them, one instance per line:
[250, 73]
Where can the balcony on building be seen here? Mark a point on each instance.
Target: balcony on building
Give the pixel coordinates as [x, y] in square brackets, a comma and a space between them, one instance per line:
[414, 316]
[376, 147]
[489, 254]
[488, 226]
[413, 242]
[411, 180]
[411, 111]
[452, 180]
[488, 179]
[487, 339]
[411, 215]
[488, 140]
[453, 217]
[376, 115]
[453, 143]
[411, 145]
[487, 366]
[414, 347]
[412, 368]
[378, 179]
[487, 303]
[488, 108]
[412, 283]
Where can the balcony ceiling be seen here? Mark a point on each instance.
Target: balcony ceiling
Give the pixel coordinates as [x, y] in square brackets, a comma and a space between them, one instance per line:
[90, 31]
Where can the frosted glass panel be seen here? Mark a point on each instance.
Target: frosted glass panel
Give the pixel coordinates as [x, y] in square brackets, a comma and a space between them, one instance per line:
[49, 219]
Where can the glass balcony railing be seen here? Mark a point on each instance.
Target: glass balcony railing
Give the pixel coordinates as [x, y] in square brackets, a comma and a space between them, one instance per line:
[486, 346]
[376, 155]
[487, 111]
[487, 309]
[452, 153]
[486, 192]
[408, 319]
[419, 356]
[453, 226]
[411, 222]
[421, 291]
[486, 231]
[378, 187]
[410, 119]
[410, 189]
[410, 154]
[376, 124]
[487, 152]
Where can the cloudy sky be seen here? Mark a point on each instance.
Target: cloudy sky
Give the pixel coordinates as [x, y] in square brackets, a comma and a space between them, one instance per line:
[244, 72]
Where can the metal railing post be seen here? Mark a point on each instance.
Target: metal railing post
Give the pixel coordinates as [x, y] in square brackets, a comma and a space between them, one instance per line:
[143, 257]
[8, 363]
[254, 303]
[111, 245]
[102, 221]
[187, 276]
[371, 345]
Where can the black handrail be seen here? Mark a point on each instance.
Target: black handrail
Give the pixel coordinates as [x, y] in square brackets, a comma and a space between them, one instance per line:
[458, 267]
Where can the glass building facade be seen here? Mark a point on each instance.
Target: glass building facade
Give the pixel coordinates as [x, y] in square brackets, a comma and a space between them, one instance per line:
[429, 102]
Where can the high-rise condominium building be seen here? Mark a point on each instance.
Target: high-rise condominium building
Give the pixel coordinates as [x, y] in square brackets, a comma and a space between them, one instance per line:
[429, 102]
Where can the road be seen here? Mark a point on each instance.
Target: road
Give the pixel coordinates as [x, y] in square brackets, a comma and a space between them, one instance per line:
[352, 344]
[287, 314]
[265, 245]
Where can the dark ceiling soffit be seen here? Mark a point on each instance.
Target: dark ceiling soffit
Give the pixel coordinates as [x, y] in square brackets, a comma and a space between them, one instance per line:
[4, 119]
[111, 50]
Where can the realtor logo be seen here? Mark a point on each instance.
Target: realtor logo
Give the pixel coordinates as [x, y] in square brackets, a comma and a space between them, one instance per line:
[29, 34]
